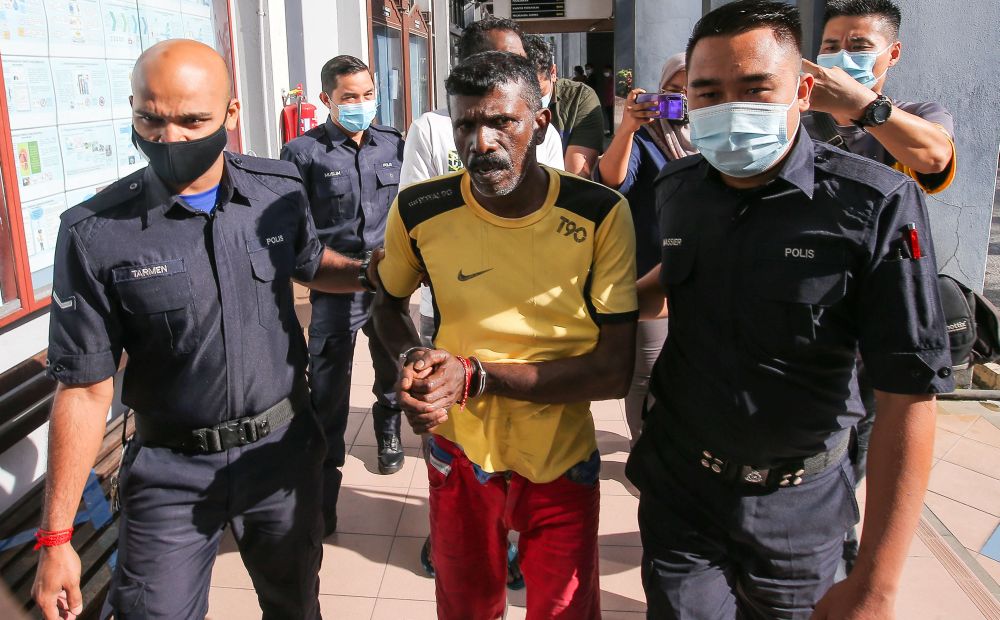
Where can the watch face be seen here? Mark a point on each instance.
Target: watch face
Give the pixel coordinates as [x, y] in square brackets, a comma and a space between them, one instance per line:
[880, 112]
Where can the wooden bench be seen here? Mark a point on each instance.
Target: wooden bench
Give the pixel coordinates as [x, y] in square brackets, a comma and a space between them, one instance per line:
[26, 395]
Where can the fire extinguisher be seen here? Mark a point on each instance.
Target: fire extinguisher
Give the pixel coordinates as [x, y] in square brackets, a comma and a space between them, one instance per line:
[297, 116]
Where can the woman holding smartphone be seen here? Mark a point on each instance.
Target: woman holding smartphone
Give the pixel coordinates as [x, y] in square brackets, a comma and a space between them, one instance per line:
[643, 144]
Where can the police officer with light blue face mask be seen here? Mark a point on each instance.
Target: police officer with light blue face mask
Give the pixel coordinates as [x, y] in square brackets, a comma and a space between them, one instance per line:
[782, 258]
[350, 168]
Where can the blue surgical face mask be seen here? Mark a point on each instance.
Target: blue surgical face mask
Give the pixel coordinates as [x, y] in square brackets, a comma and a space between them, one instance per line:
[354, 117]
[742, 138]
[858, 65]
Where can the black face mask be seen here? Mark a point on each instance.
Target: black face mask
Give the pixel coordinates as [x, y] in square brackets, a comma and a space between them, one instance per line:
[179, 163]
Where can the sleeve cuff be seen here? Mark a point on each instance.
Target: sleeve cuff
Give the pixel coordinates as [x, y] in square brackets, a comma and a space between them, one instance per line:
[920, 372]
[80, 369]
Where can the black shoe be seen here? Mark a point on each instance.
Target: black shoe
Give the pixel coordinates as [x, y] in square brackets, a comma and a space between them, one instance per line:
[425, 557]
[329, 525]
[390, 453]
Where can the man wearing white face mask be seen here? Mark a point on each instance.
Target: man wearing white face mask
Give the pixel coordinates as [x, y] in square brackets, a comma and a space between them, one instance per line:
[860, 47]
[351, 169]
[781, 257]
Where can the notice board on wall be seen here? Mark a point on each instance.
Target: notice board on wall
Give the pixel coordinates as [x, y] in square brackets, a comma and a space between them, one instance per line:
[67, 67]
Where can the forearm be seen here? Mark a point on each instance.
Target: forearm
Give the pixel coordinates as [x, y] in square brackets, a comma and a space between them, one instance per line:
[336, 274]
[652, 301]
[580, 160]
[602, 374]
[917, 144]
[76, 431]
[614, 164]
[899, 461]
[393, 323]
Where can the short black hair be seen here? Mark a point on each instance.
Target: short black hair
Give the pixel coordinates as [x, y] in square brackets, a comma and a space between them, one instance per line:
[577, 69]
[475, 38]
[338, 66]
[746, 15]
[480, 73]
[887, 10]
[539, 53]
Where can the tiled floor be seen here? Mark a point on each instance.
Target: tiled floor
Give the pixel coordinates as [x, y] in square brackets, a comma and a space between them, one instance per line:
[371, 566]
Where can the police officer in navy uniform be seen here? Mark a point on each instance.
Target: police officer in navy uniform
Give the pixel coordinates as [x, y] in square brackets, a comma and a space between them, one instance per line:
[781, 257]
[351, 171]
[186, 266]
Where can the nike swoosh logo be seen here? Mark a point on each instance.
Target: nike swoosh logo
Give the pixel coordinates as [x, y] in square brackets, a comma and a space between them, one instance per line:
[463, 277]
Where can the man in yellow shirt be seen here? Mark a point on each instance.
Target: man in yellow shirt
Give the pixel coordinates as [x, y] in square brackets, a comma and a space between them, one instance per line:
[533, 277]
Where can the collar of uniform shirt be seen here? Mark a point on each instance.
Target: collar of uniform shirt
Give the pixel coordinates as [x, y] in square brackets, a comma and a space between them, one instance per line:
[338, 137]
[234, 188]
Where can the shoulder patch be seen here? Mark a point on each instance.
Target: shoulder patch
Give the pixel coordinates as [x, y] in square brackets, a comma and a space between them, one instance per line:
[260, 165]
[586, 198]
[679, 165]
[387, 129]
[422, 201]
[879, 177]
[113, 195]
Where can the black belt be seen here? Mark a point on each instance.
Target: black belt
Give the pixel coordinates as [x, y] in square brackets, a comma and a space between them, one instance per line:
[218, 438]
[786, 473]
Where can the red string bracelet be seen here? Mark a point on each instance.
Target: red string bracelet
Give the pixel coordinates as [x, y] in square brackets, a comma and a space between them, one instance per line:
[52, 538]
[467, 365]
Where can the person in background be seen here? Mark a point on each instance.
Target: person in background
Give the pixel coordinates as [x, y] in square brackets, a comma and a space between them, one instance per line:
[350, 168]
[782, 258]
[589, 76]
[512, 248]
[576, 113]
[607, 96]
[430, 151]
[641, 147]
[860, 45]
[578, 74]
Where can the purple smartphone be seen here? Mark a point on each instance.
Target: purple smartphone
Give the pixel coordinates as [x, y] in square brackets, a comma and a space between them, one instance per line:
[673, 106]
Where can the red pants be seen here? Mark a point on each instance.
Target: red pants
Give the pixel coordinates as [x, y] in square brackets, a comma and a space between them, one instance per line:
[470, 520]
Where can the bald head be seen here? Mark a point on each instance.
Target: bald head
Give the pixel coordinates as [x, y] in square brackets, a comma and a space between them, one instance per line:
[181, 65]
[181, 90]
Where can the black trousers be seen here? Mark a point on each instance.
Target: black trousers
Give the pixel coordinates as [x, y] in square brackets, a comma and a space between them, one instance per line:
[715, 551]
[174, 510]
[332, 336]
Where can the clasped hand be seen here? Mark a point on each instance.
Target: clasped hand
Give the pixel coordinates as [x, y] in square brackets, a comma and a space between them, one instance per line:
[431, 381]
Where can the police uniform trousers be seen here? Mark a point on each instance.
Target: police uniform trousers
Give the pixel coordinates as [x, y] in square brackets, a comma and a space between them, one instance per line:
[716, 551]
[333, 331]
[175, 507]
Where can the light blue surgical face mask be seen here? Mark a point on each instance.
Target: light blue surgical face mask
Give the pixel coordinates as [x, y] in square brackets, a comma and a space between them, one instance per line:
[742, 138]
[858, 65]
[354, 117]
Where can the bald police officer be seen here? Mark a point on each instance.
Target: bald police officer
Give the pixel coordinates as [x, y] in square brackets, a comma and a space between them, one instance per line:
[796, 256]
[350, 167]
[185, 266]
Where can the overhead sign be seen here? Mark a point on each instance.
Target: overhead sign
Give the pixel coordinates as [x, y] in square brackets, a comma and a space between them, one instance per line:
[534, 9]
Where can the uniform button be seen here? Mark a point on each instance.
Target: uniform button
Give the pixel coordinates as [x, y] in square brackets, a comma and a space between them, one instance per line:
[237, 160]
[133, 186]
[944, 373]
[60, 368]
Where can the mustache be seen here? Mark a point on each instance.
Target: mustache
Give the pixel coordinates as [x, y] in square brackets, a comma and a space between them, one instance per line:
[489, 162]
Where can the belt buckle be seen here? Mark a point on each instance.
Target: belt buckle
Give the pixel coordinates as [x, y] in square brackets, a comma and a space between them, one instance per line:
[752, 475]
[201, 439]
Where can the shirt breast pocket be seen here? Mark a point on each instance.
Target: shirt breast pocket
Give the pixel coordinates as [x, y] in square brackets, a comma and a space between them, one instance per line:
[272, 267]
[388, 185]
[158, 312]
[336, 201]
[793, 296]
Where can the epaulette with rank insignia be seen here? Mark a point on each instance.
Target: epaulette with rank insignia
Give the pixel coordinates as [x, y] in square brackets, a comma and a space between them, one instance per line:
[387, 129]
[677, 165]
[261, 165]
[113, 195]
[859, 169]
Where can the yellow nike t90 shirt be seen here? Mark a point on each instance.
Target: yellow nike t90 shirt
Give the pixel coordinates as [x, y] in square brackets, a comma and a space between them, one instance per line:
[520, 290]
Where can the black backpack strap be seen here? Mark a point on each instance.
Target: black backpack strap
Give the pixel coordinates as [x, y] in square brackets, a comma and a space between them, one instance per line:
[826, 130]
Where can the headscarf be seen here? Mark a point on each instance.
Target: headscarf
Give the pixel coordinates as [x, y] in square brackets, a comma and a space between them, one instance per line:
[673, 139]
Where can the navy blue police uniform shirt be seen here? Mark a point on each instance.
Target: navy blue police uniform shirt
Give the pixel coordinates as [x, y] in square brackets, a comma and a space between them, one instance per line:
[350, 188]
[773, 291]
[201, 303]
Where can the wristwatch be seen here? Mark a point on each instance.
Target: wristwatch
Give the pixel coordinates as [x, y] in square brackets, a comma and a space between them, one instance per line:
[363, 273]
[876, 113]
